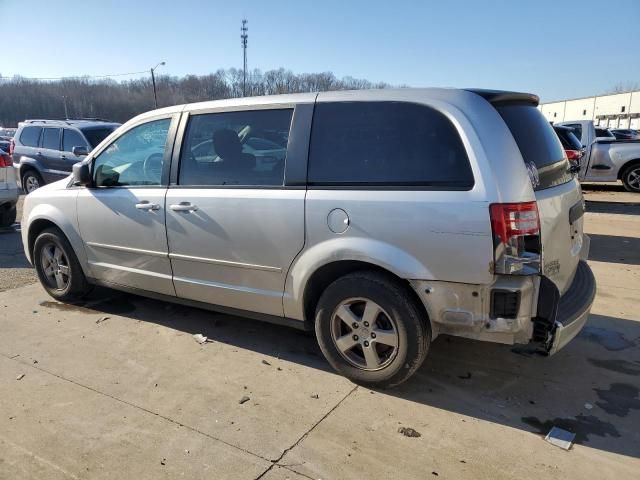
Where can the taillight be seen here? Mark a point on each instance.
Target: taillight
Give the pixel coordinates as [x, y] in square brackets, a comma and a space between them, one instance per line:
[574, 154]
[5, 160]
[516, 238]
[12, 147]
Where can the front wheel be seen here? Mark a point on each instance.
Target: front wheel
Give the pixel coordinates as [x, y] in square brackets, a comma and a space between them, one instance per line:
[371, 330]
[631, 178]
[58, 268]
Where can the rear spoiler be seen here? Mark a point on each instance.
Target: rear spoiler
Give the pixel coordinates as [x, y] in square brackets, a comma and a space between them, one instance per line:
[501, 97]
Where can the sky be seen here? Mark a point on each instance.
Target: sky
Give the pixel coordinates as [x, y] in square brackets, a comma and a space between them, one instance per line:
[556, 49]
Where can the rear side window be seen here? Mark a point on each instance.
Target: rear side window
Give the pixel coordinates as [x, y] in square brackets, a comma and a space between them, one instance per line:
[51, 138]
[72, 139]
[386, 144]
[538, 144]
[568, 139]
[30, 136]
[246, 148]
[577, 129]
[96, 135]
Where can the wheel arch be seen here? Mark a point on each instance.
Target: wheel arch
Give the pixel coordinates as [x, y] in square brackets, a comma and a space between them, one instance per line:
[626, 165]
[38, 222]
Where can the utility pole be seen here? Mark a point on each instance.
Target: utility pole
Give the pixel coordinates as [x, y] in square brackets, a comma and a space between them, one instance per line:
[153, 81]
[66, 112]
[244, 37]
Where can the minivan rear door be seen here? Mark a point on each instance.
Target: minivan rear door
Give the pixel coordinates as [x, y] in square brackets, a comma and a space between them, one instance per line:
[557, 192]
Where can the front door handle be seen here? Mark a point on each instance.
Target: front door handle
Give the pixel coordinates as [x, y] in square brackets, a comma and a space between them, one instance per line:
[146, 205]
[183, 207]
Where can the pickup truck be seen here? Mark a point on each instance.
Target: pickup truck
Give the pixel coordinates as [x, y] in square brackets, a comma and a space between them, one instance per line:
[607, 159]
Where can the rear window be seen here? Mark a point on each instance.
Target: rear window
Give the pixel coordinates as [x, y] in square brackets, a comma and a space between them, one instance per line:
[96, 135]
[604, 133]
[386, 144]
[30, 136]
[538, 144]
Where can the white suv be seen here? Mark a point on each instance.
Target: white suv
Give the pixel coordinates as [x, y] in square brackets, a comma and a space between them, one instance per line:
[381, 219]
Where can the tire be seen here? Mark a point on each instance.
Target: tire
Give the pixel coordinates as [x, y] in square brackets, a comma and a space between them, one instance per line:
[8, 216]
[631, 178]
[31, 180]
[398, 317]
[73, 284]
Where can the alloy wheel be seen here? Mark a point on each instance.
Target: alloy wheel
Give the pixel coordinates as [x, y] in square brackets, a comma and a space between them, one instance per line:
[364, 334]
[55, 266]
[633, 178]
[31, 184]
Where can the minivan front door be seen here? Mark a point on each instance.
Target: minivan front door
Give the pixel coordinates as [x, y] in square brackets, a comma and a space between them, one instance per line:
[122, 216]
[233, 228]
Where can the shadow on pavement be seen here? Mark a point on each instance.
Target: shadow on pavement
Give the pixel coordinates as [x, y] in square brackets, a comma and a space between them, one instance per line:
[589, 388]
[616, 208]
[11, 251]
[614, 249]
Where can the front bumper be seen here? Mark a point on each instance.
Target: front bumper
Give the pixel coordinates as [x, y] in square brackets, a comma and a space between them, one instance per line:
[564, 316]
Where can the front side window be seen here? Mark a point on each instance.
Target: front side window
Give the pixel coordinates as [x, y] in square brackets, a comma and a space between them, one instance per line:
[134, 158]
[386, 144]
[30, 136]
[51, 138]
[247, 148]
[71, 139]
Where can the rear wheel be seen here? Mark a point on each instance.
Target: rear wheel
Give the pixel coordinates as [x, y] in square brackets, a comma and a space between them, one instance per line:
[371, 330]
[631, 178]
[31, 180]
[7, 216]
[58, 268]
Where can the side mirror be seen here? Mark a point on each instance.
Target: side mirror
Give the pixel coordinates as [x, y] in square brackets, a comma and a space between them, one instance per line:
[81, 173]
[80, 151]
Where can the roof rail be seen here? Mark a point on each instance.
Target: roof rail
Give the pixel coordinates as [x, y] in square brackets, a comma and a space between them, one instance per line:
[88, 119]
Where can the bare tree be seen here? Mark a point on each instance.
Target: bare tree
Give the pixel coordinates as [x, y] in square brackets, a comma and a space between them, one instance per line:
[22, 98]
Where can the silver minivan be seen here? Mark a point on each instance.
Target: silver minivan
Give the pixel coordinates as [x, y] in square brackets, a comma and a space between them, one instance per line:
[380, 219]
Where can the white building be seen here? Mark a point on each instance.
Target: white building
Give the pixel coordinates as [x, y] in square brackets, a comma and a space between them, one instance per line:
[618, 110]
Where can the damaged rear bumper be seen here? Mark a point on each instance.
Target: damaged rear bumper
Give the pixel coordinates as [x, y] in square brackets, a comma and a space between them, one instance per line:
[560, 318]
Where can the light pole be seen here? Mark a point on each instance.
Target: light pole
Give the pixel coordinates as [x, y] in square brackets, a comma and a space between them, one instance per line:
[66, 112]
[153, 80]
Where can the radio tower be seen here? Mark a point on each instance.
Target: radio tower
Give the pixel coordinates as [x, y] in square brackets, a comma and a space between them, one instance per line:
[244, 36]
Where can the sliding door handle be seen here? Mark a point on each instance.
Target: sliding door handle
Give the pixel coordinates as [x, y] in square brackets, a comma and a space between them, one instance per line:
[183, 207]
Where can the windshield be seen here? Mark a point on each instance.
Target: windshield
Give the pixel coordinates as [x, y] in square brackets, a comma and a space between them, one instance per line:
[96, 135]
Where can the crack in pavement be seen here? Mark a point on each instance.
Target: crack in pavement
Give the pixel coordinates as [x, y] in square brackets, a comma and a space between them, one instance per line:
[175, 422]
[302, 437]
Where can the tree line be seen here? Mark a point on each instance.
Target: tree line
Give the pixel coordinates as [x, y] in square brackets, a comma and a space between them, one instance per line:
[22, 98]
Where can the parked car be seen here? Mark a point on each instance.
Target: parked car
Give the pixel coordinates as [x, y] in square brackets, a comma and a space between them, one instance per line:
[607, 159]
[42, 150]
[572, 146]
[625, 134]
[5, 145]
[8, 190]
[401, 215]
[7, 133]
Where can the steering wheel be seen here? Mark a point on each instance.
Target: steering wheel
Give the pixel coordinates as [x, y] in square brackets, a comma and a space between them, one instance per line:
[152, 167]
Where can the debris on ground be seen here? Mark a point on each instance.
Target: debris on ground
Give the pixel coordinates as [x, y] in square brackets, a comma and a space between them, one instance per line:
[409, 432]
[279, 369]
[588, 406]
[560, 438]
[201, 339]
[244, 399]
[35, 361]
[465, 377]
[102, 319]
[20, 377]
[163, 461]
[316, 396]
[264, 362]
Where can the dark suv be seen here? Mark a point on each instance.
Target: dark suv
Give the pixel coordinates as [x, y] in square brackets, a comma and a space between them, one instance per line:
[43, 150]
